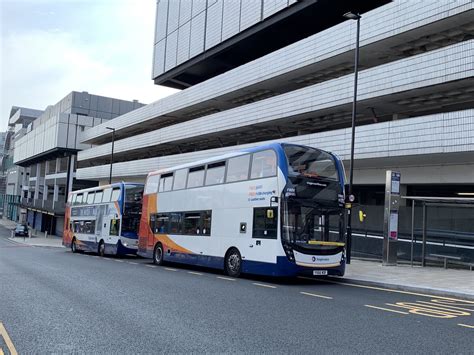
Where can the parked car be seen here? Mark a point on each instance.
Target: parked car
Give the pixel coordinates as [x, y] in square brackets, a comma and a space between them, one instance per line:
[21, 230]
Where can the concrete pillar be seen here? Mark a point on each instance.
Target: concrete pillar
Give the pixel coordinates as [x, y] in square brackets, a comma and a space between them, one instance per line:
[403, 192]
[37, 182]
[55, 191]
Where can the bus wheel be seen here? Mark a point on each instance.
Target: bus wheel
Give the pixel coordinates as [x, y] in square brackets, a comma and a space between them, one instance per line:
[233, 263]
[158, 254]
[73, 246]
[101, 250]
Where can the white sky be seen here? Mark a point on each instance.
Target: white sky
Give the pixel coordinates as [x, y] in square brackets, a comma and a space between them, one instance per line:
[52, 47]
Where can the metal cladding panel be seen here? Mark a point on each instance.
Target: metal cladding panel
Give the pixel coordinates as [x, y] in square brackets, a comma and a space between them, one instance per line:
[214, 24]
[173, 16]
[171, 48]
[251, 13]
[197, 34]
[271, 7]
[231, 19]
[380, 24]
[448, 132]
[199, 6]
[104, 104]
[184, 34]
[185, 11]
[161, 23]
[159, 58]
[435, 67]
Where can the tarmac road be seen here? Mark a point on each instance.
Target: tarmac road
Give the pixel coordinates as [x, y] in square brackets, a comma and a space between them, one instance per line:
[54, 301]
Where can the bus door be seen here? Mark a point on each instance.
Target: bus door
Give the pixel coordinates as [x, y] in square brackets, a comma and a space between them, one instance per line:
[264, 232]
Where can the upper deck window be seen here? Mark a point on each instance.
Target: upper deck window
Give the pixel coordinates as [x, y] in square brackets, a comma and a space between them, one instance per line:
[196, 176]
[152, 184]
[310, 162]
[238, 168]
[180, 179]
[90, 197]
[98, 196]
[115, 194]
[166, 182]
[107, 195]
[215, 173]
[263, 164]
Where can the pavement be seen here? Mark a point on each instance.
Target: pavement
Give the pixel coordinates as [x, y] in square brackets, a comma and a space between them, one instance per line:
[54, 301]
[432, 280]
[37, 238]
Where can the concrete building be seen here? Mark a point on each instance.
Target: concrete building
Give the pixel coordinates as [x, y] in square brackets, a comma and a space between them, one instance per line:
[15, 186]
[47, 149]
[257, 71]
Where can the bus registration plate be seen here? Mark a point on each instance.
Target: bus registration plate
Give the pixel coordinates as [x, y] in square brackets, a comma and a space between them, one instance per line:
[320, 272]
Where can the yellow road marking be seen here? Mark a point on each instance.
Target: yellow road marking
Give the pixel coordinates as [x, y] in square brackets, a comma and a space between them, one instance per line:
[8, 341]
[466, 325]
[385, 309]
[225, 278]
[195, 273]
[429, 311]
[263, 285]
[389, 290]
[150, 265]
[170, 269]
[315, 295]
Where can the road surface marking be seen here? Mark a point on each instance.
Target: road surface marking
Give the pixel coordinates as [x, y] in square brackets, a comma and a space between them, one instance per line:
[131, 262]
[170, 269]
[263, 285]
[150, 265]
[119, 261]
[388, 290]
[429, 311]
[195, 273]
[466, 325]
[315, 295]
[385, 309]
[225, 278]
[8, 341]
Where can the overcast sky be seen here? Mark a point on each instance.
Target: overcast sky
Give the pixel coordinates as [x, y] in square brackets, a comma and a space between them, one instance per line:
[52, 47]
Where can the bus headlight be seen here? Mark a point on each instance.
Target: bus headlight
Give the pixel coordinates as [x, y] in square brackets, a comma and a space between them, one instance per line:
[289, 252]
[125, 244]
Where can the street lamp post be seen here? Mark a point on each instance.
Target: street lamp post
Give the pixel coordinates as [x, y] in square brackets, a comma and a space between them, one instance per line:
[352, 16]
[111, 153]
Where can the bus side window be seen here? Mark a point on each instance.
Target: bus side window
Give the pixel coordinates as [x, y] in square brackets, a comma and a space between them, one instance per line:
[114, 227]
[206, 222]
[265, 222]
[263, 164]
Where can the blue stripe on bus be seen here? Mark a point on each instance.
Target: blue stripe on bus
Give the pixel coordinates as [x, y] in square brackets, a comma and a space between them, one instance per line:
[283, 267]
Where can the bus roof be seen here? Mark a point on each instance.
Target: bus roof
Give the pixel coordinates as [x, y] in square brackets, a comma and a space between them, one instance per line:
[115, 184]
[275, 146]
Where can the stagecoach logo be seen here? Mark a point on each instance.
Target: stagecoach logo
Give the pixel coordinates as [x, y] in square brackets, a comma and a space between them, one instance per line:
[256, 193]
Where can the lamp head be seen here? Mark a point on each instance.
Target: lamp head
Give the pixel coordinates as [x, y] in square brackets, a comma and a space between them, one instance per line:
[352, 16]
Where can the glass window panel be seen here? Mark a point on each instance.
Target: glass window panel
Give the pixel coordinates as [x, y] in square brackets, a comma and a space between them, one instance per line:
[215, 174]
[90, 198]
[176, 223]
[196, 178]
[192, 223]
[115, 194]
[107, 195]
[152, 184]
[263, 164]
[238, 168]
[98, 196]
[168, 183]
[180, 179]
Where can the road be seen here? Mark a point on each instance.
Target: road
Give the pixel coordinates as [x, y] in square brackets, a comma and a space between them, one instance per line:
[54, 301]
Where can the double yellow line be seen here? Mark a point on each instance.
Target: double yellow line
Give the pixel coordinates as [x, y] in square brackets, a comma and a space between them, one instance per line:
[8, 341]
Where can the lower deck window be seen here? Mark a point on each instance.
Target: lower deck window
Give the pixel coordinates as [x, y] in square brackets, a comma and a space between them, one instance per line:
[183, 223]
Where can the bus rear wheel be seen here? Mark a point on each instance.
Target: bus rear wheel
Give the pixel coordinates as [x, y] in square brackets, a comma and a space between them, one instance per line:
[158, 254]
[101, 250]
[74, 246]
[233, 263]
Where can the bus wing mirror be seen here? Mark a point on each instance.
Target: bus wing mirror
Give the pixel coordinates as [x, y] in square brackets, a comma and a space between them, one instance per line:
[362, 216]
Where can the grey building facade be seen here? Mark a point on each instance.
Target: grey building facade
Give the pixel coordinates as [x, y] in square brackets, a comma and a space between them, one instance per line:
[45, 154]
[415, 94]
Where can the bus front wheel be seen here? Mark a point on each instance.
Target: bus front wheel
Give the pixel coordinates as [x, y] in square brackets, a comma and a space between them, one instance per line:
[233, 263]
[158, 254]
[101, 250]
[74, 246]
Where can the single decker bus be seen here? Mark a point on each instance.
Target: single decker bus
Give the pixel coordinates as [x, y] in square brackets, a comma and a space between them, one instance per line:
[104, 219]
[275, 210]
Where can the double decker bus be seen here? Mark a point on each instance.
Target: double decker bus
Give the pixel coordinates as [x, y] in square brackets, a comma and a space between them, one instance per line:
[273, 210]
[104, 219]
